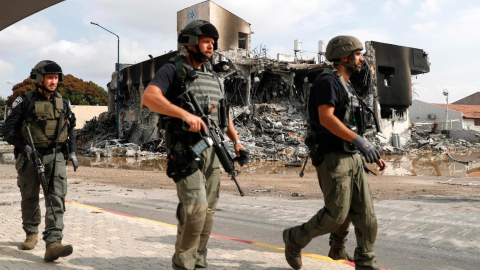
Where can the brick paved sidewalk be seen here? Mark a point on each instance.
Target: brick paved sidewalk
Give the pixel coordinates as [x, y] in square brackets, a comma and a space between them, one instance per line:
[106, 240]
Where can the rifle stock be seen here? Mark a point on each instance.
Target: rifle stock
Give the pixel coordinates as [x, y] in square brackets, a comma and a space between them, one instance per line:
[37, 161]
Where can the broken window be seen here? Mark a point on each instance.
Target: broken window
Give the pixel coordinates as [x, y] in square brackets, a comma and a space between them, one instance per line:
[242, 40]
[388, 73]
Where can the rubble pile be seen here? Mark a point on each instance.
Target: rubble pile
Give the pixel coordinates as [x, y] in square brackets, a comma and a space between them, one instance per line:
[272, 131]
[424, 141]
[129, 151]
[269, 131]
[96, 130]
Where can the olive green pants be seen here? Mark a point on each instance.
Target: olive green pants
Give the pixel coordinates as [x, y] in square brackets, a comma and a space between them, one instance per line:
[198, 196]
[29, 184]
[347, 196]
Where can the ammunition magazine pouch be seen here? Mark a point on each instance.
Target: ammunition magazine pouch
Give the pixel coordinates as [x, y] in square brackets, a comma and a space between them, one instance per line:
[181, 162]
[65, 149]
[315, 153]
[223, 120]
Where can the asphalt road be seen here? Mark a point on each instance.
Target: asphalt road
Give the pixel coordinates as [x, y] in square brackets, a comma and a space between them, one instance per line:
[427, 233]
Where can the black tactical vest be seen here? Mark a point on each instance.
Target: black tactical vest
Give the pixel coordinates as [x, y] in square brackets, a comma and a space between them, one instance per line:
[316, 132]
[206, 87]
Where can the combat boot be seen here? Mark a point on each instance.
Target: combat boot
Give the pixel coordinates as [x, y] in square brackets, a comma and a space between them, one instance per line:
[30, 242]
[339, 254]
[292, 254]
[56, 250]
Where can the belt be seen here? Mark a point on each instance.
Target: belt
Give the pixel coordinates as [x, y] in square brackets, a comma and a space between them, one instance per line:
[48, 151]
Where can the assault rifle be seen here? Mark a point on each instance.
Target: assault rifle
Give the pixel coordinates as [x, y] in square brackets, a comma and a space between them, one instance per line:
[37, 161]
[214, 137]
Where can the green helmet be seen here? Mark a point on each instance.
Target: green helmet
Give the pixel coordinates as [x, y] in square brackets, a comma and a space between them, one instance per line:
[189, 35]
[342, 46]
[45, 67]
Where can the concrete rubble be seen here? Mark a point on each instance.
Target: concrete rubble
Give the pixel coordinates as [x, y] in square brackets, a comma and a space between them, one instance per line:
[422, 141]
[268, 104]
[270, 131]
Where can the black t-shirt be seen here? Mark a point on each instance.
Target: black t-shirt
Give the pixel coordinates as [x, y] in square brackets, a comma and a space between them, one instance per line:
[164, 77]
[327, 90]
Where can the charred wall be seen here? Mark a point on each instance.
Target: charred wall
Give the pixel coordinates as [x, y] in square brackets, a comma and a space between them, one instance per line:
[394, 66]
[133, 81]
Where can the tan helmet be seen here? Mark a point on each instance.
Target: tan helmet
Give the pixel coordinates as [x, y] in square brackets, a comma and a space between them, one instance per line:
[342, 46]
[45, 67]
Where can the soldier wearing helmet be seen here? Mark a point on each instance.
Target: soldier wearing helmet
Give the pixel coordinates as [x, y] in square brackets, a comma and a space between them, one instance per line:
[51, 122]
[197, 179]
[335, 142]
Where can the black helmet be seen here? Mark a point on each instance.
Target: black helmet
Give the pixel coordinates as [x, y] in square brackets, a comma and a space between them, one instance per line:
[45, 67]
[189, 35]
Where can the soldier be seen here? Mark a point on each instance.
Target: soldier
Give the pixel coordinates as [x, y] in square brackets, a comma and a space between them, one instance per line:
[197, 180]
[51, 121]
[334, 144]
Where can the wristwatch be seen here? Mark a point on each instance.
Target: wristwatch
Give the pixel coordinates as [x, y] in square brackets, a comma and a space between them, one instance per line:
[237, 141]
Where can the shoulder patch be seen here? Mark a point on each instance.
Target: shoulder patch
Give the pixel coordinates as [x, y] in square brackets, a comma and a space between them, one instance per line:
[17, 101]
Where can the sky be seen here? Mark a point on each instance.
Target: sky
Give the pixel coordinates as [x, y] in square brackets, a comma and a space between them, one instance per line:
[446, 30]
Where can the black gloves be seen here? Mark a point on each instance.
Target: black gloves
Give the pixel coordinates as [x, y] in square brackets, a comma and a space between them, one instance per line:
[243, 158]
[367, 148]
[73, 157]
[27, 151]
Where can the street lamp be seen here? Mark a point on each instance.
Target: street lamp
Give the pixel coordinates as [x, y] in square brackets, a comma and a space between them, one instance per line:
[118, 77]
[445, 93]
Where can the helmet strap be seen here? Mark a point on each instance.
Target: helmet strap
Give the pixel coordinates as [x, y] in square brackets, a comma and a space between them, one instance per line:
[355, 69]
[198, 56]
[41, 86]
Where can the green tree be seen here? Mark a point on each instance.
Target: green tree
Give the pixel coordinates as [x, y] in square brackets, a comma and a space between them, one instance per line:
[2, 107]
[76, 90]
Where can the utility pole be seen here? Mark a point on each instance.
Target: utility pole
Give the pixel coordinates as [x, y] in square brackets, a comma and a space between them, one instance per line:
[445, 93]
[118, 77]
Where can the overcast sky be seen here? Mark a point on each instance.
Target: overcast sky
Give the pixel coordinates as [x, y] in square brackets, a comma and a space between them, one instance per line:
[446, 30]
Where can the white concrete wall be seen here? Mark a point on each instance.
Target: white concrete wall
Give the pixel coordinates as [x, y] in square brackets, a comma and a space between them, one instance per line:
[227, 23]
[84, 113]
[470, 124]
[397, 126]
[285, 57]
[420, 110]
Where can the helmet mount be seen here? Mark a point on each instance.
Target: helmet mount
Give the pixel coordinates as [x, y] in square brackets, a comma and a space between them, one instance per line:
[45, 67]
[189, 37]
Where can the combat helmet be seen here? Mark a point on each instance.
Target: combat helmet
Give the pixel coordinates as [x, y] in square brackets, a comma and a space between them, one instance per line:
[341, 47]
[189, 35]
[45, 67]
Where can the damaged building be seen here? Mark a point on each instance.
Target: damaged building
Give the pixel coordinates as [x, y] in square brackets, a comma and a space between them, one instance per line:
[252, 81]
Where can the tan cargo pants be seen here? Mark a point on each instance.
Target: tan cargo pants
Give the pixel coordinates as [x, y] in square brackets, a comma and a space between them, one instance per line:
[347, 196]
[198, 196]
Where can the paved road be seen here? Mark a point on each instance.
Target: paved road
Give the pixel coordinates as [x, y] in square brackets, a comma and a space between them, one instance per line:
[106, 240]
[427, 233]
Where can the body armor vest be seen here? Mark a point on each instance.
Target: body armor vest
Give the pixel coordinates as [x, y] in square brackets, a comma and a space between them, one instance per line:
[352, 102]
[44, 120]
[206, 87]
